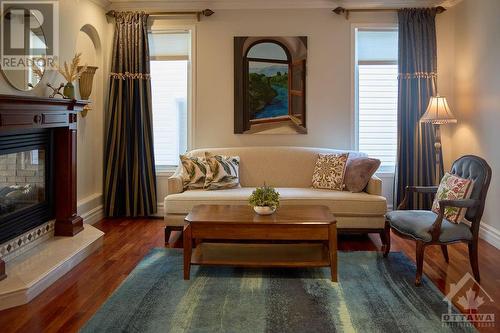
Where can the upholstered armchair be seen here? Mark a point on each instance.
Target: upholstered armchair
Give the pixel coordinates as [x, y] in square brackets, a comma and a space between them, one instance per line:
[429, 228]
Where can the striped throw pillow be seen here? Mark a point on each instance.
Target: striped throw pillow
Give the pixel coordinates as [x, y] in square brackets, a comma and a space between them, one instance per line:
[222, 172]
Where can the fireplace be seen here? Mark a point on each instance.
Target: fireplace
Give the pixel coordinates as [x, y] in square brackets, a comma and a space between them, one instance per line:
[26, 182]
[37, 166]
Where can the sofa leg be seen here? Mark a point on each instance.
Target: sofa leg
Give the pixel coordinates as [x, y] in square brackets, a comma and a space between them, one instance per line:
[168, 232]
[385, 236]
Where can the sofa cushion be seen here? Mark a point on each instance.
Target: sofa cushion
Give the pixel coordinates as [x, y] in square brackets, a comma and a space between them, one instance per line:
[275, 166]
[418, 223]
[341, 203]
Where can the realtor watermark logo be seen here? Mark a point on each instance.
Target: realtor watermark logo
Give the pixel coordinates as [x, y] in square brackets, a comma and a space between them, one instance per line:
[30, 34]
[471, 298]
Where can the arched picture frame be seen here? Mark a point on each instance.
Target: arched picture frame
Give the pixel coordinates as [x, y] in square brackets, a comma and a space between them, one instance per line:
[270, 85]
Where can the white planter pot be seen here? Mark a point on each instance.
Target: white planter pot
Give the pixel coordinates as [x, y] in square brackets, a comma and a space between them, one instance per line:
[264, 210]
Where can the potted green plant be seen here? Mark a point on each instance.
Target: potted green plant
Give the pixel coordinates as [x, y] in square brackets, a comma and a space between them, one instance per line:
[264, 200]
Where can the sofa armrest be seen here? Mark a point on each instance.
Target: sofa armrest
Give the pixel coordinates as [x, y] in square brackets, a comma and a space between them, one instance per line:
[174, 183]
[374, 186]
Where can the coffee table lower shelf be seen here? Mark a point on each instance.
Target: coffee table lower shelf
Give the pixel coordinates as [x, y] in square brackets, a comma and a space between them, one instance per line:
[261, 255]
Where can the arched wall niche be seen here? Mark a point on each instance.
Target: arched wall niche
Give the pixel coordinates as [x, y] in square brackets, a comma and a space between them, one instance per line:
[91, 127]
[94, 37]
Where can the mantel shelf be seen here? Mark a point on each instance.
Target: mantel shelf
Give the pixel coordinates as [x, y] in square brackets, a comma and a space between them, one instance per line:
[17, 101]
[24, 112]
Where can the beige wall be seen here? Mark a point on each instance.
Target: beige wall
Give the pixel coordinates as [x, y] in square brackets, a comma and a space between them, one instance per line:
[328, 85]
[329, 75]
[476, 95]
[74, 14]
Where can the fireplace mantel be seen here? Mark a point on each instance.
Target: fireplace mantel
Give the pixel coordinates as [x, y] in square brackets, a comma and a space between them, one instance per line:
[24, 113]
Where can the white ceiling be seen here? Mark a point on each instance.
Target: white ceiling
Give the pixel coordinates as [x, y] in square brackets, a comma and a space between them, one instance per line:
[267, 4]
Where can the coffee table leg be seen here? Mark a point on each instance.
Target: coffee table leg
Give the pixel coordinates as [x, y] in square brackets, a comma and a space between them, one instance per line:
[332, 249]
[188, 245]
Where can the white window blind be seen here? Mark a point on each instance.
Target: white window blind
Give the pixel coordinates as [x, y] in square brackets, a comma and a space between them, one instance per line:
[377, 96]
[169, 83]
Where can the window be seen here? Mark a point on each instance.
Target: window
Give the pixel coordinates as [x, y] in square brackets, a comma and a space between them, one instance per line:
[170, 77]
[376, 96]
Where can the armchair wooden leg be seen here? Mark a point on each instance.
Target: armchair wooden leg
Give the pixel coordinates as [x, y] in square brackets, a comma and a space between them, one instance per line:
[420, 262]
[385, 235]
[444, 249]
[473, 257]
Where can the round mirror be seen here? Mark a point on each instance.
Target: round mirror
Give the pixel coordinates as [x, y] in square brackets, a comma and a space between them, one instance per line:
[24, 48]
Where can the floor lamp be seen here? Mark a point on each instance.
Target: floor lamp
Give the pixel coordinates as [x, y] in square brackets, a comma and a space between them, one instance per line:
[438, 113]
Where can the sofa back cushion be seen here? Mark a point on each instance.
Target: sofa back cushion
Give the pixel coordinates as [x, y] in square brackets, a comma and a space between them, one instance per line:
[275, 166]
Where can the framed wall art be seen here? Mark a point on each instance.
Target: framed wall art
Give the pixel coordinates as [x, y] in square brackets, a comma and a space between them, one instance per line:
[270, 85]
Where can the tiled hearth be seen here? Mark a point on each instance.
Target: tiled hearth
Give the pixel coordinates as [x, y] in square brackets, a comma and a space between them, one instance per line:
[35, 268]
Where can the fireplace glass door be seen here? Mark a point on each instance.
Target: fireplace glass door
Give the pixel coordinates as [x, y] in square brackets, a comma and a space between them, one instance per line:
[22, 180]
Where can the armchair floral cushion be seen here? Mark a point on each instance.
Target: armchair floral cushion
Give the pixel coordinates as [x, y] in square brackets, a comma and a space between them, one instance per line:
[452, 188]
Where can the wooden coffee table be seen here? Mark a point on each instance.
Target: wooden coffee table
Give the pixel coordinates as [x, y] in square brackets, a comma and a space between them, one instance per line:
[294, 236]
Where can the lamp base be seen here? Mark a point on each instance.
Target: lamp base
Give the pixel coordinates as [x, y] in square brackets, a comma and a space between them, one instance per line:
[437, 148]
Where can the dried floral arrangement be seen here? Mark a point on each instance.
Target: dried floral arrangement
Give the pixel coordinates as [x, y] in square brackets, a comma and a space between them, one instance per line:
[37, 70]
[71, 72]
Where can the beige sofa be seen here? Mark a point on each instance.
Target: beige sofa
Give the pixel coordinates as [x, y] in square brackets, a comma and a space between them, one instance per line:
[289, 170]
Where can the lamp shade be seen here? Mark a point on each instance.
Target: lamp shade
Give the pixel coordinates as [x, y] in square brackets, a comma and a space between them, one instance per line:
[438, 112]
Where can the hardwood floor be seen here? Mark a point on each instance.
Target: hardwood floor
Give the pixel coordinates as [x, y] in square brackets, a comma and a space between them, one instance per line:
[73, 299]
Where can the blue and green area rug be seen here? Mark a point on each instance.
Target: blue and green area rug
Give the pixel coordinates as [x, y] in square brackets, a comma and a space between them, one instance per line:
[374, 295]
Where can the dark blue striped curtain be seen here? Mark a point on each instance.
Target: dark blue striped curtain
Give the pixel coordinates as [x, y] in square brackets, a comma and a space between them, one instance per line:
[129, 178]
[417, 83]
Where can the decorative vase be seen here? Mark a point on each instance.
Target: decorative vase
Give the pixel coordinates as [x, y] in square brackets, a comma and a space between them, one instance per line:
[69, 90]
[85, 85]
[264, 210]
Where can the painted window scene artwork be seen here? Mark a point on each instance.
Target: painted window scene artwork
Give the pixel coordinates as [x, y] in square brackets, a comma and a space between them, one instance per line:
[270, 85]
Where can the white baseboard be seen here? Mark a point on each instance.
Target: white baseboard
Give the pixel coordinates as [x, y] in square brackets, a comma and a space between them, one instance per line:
[160, 210]
[90, 208]
[94, 215]
[490, 234]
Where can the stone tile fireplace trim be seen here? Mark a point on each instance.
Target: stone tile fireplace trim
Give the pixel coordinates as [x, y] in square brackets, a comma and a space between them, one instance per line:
[22, 243]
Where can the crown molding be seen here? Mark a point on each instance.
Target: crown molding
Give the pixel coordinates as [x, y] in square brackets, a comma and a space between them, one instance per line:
[268, 4]
[373, 4]
[221, 4]
[102, 3]
[450, 3]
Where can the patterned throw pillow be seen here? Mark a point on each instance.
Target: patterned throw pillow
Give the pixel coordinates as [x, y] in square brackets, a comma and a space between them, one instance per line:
[452, 188]
[222, 172]
[193, 173]
[329, 171]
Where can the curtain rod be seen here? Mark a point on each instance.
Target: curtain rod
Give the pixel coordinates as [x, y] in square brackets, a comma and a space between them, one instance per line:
[345, 12]
[205, 12]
